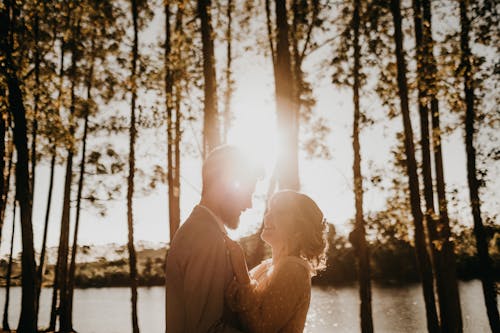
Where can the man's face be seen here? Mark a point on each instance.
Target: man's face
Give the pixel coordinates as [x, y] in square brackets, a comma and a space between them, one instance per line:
[236, 199]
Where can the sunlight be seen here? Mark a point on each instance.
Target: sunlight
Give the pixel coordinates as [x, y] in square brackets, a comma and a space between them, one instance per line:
[253, 131]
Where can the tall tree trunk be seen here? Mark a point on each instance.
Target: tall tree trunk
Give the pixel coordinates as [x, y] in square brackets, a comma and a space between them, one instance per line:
[360, 233]
[169, 104]
[270, 36]
[74, 249]
[64, 315]
[64, 243]
[5, 322]
[7, 180]
[3, 185]
[27, 319]
[211, 131]
[176, 205]
[423, 259]
[34, 123]
[130, 190]
[41, 266]
[288, 169]
[56, 282]
[296, 71]
[489, 287]
[449, 299]
[423, 108]
[229, 80]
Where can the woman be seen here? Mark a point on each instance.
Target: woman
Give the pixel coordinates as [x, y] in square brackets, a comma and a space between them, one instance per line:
[274, 296]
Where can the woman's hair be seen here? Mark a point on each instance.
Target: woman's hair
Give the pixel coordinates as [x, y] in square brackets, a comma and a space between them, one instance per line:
[308, 229]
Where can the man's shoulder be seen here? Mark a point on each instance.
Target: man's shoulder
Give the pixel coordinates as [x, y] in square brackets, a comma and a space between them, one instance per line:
[197, 232]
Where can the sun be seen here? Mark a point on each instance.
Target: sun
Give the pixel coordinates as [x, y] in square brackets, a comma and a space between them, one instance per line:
[254, 131]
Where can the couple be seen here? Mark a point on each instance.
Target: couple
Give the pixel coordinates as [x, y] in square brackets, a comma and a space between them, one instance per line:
[208, 286]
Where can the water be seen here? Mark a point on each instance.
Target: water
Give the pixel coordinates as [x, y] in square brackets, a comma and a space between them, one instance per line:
[395, 309]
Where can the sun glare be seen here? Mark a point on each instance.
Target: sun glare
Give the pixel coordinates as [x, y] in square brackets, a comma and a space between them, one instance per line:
[253, 131]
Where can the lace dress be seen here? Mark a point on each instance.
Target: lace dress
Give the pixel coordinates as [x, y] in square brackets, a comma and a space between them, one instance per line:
[277, 298]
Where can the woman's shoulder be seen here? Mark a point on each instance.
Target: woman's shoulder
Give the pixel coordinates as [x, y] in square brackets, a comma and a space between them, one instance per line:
[294, 265]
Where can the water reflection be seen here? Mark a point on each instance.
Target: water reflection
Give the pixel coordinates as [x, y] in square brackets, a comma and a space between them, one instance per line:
[395, 309]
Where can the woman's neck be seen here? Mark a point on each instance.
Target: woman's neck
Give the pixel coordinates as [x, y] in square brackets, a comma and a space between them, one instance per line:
[281, 252]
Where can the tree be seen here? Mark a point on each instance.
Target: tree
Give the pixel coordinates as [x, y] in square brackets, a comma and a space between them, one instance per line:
[56, 282]
[287, 160]
[27, 320]
[211, 131]
[174, 67]
[359, 232]
[131, 165]
[5, 178]
[441, 242]
[64, 315]
[228, 72]
[3, 132]
[5, 322]
[489, 288]
[420, 244]
[41, 263]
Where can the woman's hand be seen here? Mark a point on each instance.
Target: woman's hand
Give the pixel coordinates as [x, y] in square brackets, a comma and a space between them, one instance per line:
[237, 257]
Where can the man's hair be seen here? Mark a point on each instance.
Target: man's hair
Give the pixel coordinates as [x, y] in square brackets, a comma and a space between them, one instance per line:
[227, 162]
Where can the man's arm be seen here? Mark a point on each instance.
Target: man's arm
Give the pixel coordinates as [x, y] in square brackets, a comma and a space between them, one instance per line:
[204, 284]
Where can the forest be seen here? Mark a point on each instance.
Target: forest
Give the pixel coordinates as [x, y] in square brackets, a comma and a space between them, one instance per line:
[121, 96]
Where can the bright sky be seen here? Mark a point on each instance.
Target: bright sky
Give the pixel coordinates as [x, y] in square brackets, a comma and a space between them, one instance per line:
[329, 182]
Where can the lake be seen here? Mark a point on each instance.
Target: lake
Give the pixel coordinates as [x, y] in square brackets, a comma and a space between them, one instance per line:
[333, 309]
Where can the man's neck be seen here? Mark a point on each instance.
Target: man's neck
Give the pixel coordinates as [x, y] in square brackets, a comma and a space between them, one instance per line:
[211, 205]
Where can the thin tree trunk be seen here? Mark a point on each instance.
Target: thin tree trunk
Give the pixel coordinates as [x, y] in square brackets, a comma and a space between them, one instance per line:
[56, 283]
[229, 82]
[420, 245]
[449, 299]
[130, 191]
[27, 319]
[211, 131]
[64, 315]
[64, 244]
[296, 71]
[74, 249]
[5, 322]
[41, 266]
[176, 209]
[270, 36]
[34, 124]
[3, 185]
[361, 246]
[7, 179]
[423, 108]
[169, 82]
[288, 170]
[489, 287]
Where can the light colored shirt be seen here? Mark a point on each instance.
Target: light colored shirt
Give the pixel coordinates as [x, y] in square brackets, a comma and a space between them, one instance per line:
[198, 271]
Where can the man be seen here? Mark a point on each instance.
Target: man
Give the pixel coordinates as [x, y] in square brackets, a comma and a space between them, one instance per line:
[198, 268]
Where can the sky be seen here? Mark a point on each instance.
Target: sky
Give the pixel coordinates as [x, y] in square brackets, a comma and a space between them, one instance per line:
[329, 182]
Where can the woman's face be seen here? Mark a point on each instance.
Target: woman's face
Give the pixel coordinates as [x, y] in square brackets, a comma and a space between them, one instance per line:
[276, 224]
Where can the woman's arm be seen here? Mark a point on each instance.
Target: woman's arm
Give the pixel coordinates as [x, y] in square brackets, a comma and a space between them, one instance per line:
[270, 309]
